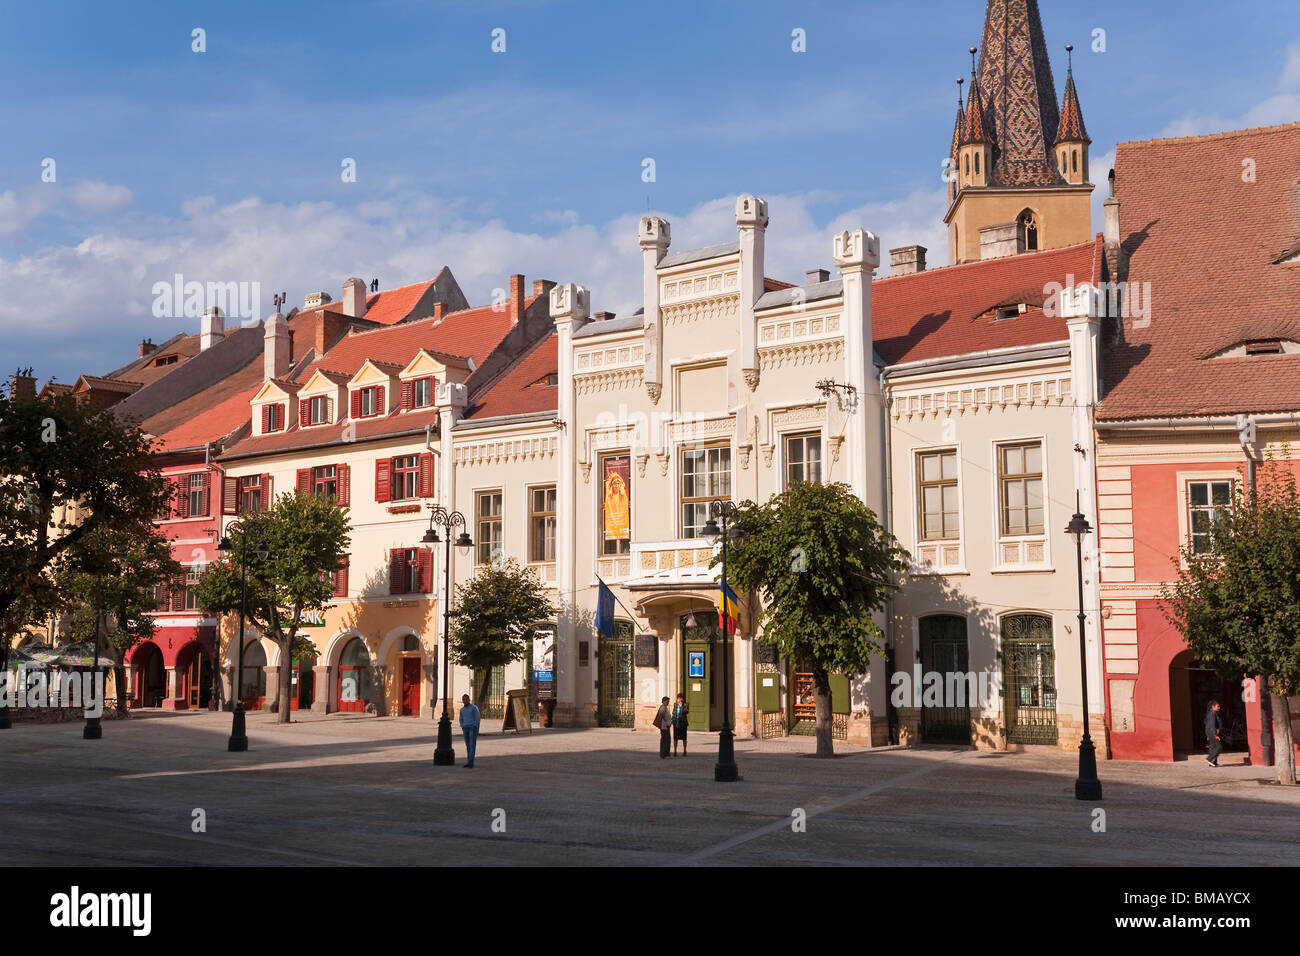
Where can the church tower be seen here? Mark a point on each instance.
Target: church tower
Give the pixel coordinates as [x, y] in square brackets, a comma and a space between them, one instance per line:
[1020, 162]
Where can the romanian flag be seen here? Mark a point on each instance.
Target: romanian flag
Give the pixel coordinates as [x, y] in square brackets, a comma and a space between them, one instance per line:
[729, 604]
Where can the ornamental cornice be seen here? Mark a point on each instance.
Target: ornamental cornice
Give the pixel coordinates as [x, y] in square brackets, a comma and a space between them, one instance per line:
[713, 308]
[495, 452]
[1043, 391]
[801, 353]
[608, 381]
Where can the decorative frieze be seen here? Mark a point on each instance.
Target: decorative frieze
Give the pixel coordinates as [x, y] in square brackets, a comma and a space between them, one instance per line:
[693, 287]
[611, 380]
[697, 429]
[1028, 392]
[798, 328]
[518, 449]
[717, 308]
[801, 353]
[620, 356]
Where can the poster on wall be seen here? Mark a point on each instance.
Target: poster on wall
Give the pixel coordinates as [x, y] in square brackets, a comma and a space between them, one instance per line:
[544, 664]
[618, 512]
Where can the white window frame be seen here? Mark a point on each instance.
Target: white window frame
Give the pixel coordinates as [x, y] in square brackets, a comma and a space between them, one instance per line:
[914, 477]
[1184, 478]
[998, 538]
[679, 458]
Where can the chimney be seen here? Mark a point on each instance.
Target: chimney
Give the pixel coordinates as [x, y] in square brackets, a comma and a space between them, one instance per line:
[813, 276]
[602, 316]
[439, 310]
[331, 326]
[275, 351]
[1003, 239]
[213, 327]
[354, 298]
[315, 300]
[145, 348]
[905, 260]
[542, 287]
[22, 387]
[516, 305]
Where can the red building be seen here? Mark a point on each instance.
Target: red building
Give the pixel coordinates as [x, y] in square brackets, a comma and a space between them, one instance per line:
[1204, 238]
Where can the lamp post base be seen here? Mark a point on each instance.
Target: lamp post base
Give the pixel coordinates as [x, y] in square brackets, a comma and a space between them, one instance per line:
[725, 770]
[92, 731]
[238, 738]
[1087, 786]
[444, 755]
[5, 723]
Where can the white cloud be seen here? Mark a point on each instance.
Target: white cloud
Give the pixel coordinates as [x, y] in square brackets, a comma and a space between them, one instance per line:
[1283, 106]
[97, 198]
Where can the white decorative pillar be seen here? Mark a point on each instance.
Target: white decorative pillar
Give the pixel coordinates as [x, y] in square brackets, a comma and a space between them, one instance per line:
[570, 306]
[451, 399]
[654, 237]
[751, 222]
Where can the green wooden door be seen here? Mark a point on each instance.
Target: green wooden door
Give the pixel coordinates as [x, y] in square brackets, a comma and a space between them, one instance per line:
[697, 671]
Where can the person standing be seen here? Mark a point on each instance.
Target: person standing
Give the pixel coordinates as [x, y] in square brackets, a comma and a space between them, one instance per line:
[680, 710]
[1214, 733]
[663, 720]
[469, 721]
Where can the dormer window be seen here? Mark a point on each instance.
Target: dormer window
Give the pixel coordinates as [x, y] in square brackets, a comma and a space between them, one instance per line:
[272, 418]
[1006, 312]
[1264, 347]
[318, 410]
[166, 360]
[422, 393]
[367, 402]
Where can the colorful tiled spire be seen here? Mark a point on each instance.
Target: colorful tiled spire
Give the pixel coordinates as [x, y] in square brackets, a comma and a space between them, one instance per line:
[1072, 128]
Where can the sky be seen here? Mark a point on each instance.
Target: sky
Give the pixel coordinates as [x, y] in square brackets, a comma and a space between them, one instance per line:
[309, 142]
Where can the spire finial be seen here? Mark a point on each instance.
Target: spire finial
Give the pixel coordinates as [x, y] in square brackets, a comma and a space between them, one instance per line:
[960, 81]
[973, 51]
[1069, 53]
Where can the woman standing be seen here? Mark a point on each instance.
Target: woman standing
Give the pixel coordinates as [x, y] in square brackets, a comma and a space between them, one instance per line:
[663, 720]
[680, 710]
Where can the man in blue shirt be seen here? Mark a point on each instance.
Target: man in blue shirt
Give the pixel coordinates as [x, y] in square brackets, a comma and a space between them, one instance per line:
[469, 721]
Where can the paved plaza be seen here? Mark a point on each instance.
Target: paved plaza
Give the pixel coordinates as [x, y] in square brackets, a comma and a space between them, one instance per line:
[360, 790]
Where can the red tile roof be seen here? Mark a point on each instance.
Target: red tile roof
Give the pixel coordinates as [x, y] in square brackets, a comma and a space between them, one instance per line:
[1203, 241]
[523, 388]
[952, 311]
[390, 306]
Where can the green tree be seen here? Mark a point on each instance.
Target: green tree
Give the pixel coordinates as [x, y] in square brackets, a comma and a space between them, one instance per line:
[494, 617]
[67, 471]
[823, 566]
[307, 537]
[115, 576]
[1237, 603]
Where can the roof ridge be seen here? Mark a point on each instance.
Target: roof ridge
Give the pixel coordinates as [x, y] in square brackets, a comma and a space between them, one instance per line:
[1225, 134]
[1020, 256]
[510, 366]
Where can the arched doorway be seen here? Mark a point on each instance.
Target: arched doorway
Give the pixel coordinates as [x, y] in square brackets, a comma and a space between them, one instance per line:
[193, 677]
[617, 706]
[354, 680]
[1191, 688]
[150, 675]
[411, 658]
[302, 683]
[252, 684]
[1029, 679]
[944, 650]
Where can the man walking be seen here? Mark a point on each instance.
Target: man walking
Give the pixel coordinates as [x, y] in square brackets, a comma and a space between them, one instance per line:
[664, 721]
[469, 721]
[1213, 732]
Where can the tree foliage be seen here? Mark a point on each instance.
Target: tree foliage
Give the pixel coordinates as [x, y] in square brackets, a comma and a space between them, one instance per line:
[493, 619]
[307, 537]
[823, 566]
[1238, 602]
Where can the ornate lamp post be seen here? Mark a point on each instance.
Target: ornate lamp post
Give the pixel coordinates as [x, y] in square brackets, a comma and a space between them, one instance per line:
[1086, 786]
[443, 754]
[93, 729]
[725, 770]
[238, 736]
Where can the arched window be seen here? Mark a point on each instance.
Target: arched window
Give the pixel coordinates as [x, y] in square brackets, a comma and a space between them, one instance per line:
[252, 684]
[968, 164]
[1029, 222]
[354, 688]
[410, 643]
[1029, 678]
[977, 164]
[1075, 162]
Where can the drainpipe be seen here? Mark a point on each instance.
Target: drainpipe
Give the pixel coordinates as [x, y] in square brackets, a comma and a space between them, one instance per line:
[888, 519]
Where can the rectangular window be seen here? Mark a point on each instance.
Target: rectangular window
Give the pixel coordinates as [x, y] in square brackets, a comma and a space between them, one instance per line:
[803, 458]
[198, 489]
[706, 475]
[272, 418]
[1207, 501]
[1020, 481]
[541, 524]
[319, 410]
[422, 394]
[488, 513]
[324, 481]
[369, 401]
[250, 493]
[191, 582]
[616, 504]
[411, 571]
[936, 473]
[405, 481]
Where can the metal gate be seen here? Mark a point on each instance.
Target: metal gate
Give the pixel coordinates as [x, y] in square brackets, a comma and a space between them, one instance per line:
[944, 650]
[1029, 676]
[617, 705]
[495, 705]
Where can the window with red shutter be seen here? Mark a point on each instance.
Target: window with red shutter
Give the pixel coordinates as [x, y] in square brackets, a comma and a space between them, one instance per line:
[383, 471]
[426, 570]
[379, 400]
[397, 571]
[304, 480]
[344, 475]
[266, 419]
[356, 404]
[341, 578]
[426, 475]
[267, 500]
[408, 395]
[230, 496]
[304, 411]
[181, 497]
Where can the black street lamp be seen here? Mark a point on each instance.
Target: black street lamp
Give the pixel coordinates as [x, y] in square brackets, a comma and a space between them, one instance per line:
[1086, 786]
[93, 729]
[238, 736]
[443, 754]
[725, 770]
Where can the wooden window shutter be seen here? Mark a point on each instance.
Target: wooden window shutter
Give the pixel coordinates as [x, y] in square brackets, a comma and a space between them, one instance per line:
[266, 492]
[329, 410]
[379, 400]
[408, 395]
[207, 494]
[383, 479]
[356, 404]
[304, 411]
[230, 496]
[181, 497]
[426, 475]
[176, 600]
[304, 480]
[426, 570]
[343, 476]
[396, 572]
[266, 419]
[341, 578]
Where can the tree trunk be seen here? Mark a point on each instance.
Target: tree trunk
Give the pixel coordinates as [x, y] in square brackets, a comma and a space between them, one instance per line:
[1283, 746]
[119, 687]
[284, 680]
[822, 698]
[480, 698]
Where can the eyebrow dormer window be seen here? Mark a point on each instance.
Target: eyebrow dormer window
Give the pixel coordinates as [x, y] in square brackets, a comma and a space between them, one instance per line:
[1264, 347]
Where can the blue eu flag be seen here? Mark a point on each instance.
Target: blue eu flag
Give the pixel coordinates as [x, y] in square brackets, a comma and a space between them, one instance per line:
[605, 610]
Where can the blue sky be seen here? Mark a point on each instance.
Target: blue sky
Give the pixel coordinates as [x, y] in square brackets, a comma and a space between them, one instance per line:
[225, 165]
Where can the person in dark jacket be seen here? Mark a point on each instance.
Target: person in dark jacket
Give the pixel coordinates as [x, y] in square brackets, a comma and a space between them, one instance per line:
[1214, 733]
[664, 721]
[681, 714]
